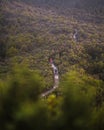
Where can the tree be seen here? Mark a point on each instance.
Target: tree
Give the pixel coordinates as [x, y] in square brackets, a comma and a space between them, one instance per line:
[19, 96]
[79, 94]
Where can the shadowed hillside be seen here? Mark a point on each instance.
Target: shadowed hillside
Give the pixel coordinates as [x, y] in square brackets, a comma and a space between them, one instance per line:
[82, 4]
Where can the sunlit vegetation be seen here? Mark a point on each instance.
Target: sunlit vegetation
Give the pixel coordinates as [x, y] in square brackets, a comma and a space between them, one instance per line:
[80, 105]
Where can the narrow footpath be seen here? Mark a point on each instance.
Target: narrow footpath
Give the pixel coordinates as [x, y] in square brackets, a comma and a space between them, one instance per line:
[55, 70]
[56, 79]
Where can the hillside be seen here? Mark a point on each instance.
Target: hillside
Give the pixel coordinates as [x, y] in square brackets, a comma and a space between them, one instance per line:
[88, 5]
[30, 34]
[51, 65]
[69, 3]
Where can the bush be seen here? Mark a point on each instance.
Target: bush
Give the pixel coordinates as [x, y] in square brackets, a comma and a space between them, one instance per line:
[22, 108]
[19, 96]
[79, 100]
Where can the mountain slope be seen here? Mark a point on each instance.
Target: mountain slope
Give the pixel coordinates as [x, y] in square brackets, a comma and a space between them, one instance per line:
[94, 4]
[32, 33]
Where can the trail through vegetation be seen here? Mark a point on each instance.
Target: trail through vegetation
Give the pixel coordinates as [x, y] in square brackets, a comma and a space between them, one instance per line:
[41, 39]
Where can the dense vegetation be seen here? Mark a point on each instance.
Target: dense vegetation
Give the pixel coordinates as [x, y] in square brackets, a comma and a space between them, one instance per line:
[80, 105]
[30, 33]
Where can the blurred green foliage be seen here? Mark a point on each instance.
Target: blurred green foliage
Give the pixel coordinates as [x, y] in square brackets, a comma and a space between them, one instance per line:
[75, 109]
